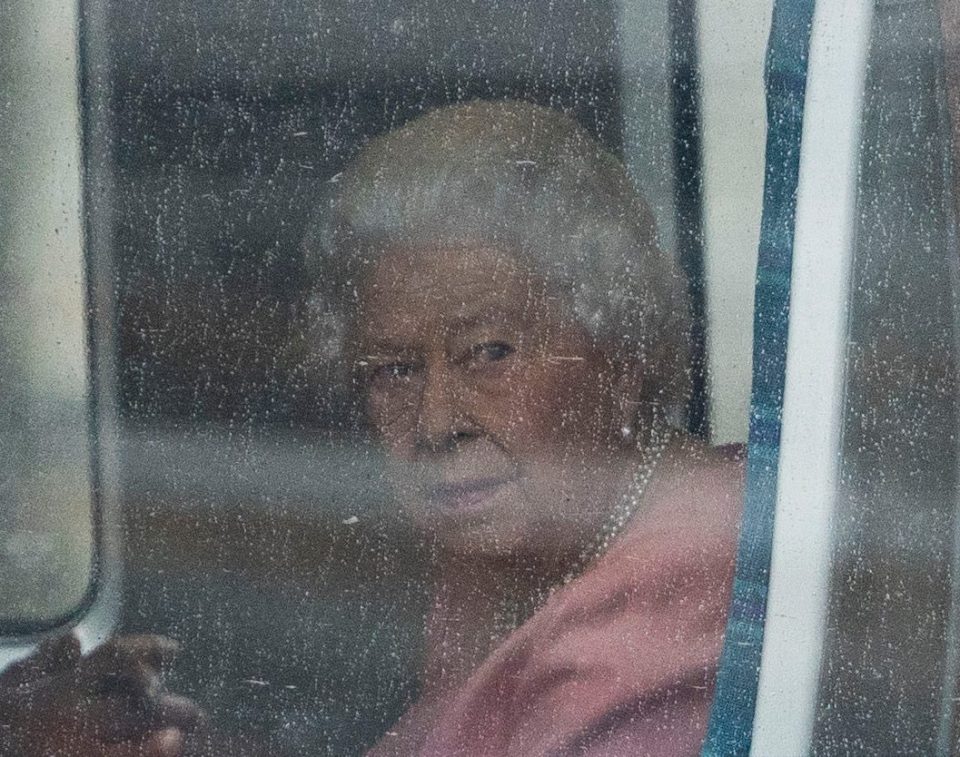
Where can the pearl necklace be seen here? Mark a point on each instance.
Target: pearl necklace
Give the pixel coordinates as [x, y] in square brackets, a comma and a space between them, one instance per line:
[511, 616]
[624, 510]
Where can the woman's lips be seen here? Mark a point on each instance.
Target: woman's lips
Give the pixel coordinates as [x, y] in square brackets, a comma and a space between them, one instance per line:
[466, 495]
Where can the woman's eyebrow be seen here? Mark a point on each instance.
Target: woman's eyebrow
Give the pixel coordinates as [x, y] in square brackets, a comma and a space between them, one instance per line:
[496, 314]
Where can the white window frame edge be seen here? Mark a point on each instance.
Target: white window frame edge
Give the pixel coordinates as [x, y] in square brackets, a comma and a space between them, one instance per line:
[813, 402]
[100, 617]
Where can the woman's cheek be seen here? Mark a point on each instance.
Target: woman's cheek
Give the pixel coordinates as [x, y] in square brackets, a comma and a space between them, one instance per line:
[542, 411]
[392, 422]
[580, 414]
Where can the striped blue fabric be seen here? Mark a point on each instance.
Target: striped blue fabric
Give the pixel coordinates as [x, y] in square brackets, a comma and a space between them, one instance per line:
[731, 718]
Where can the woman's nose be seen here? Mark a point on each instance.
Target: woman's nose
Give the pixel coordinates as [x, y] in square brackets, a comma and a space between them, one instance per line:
[442, 421]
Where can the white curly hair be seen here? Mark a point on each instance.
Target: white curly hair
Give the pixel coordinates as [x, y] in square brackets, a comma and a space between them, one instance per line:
[520, 177]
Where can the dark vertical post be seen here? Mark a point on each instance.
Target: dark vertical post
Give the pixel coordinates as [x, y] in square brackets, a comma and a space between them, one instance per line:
[685, 92]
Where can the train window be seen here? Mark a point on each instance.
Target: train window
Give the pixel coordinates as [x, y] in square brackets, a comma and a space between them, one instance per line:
[400, 361]
[425, 330]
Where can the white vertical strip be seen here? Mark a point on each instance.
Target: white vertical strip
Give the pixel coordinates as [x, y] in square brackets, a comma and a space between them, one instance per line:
[812, 413]
[732, 40]
[39, 154]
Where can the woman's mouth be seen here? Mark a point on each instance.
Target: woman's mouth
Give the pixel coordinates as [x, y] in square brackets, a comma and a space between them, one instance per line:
[466, 495]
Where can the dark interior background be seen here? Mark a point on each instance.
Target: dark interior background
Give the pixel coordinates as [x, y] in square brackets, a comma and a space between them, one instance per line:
[228, 120]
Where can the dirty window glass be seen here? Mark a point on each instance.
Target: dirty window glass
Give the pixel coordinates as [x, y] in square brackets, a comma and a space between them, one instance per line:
[433, 352]
[889, 677]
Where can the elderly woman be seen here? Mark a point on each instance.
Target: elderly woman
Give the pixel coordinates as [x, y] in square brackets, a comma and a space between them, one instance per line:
[513, 335]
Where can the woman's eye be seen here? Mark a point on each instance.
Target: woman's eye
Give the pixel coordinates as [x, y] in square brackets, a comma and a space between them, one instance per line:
[491, 352]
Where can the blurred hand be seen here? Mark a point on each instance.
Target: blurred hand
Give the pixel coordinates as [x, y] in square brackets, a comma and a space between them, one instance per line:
[110, 703]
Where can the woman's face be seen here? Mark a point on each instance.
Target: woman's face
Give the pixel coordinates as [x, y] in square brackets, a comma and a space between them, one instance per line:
[499, 414]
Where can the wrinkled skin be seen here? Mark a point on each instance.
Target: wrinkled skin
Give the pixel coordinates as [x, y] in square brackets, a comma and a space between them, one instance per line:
[500, 415]
[110, 703]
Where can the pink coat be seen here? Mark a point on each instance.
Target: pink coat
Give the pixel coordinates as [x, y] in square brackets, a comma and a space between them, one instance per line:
[621, 661]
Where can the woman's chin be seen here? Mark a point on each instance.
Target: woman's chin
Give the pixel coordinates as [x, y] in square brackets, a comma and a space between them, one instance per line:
[482, 521]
